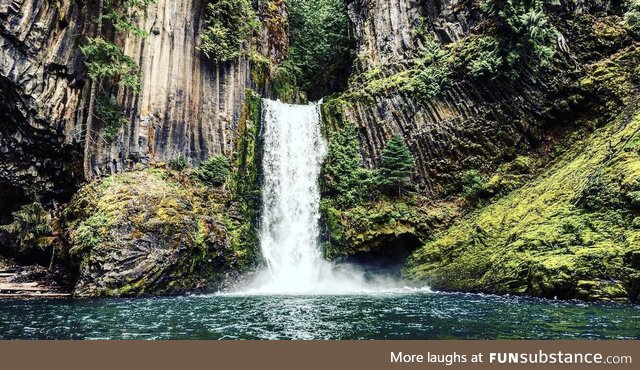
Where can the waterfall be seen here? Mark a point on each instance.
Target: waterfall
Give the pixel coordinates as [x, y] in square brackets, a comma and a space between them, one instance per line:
[293, 154]
[294, 151]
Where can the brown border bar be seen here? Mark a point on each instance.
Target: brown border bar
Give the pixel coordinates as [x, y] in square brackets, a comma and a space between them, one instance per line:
[326, 355]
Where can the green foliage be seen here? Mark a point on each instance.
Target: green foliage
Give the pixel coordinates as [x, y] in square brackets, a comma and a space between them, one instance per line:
[31, 227]
[124, 15]
[345, 179]
[104, 59]
[527, 36]
[229, 25]
[374, 225]
[632, 16]
[396, 167]
[91, 233]
[111, 115]
[320, 46]
[179, 164]
[214, 171]
[426, 78]
[284, 81]
[473, 184]
[431, 72]
[481, 55]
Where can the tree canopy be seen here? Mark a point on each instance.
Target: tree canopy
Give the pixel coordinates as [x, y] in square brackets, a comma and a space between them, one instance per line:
[320, 50]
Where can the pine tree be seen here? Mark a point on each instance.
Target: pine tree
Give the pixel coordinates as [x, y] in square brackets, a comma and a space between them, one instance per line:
[396, 167]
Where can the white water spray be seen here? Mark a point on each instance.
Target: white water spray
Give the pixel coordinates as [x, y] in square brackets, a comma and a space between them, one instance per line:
[294, 151]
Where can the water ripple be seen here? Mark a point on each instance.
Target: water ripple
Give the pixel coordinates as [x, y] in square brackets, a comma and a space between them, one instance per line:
[392, 315]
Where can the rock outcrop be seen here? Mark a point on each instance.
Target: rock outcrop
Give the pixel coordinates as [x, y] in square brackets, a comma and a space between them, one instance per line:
[571, 233]
[154, 232]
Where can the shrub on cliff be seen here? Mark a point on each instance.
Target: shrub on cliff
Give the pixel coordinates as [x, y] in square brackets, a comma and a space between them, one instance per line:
[214, 171]
[229, 24]
[32, 230]
[432, 71]
[394, 174]
[632, 17]
[31, 227]
[179, 164]
[345, 179]
[527, 36]
[473, 184]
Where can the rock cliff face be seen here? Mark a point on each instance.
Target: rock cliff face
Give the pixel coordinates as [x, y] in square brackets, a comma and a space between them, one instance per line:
[541, 242]
[473, 122]
[188, 106]
[41, 90]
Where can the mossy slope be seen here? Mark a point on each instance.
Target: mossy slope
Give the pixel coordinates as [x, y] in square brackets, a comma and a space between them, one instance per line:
[572, 233]
[154, 232]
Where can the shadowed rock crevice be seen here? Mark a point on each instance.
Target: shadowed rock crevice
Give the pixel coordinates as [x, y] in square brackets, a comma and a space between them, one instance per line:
[388, 254]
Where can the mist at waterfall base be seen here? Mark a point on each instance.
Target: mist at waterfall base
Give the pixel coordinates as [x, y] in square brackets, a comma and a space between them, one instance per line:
[293, 153]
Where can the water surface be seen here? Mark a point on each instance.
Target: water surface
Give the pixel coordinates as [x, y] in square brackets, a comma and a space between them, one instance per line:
[416, 315]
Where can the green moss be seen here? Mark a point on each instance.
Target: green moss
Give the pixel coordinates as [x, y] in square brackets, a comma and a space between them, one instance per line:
[155, 232]
[574, 223]
[373, 224]
[245, 187]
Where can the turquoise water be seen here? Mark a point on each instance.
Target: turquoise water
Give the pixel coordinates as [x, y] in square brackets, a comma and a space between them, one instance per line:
[416, 315]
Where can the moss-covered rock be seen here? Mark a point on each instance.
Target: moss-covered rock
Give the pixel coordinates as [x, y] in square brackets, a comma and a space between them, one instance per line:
[571, 233]
[386, 226]
[154, 232]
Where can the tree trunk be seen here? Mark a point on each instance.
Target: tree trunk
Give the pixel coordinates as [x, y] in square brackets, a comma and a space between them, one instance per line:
[88, 135]
[53, 257]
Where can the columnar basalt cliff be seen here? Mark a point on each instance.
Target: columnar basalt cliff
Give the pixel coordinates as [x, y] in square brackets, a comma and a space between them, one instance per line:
[41, 82]
[476, 136]
[188, 105]
[470, 122]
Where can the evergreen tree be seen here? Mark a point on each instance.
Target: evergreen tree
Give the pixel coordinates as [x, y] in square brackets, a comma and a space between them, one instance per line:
[229, 24]
[320, 52]
[396, 167]
[528, 38]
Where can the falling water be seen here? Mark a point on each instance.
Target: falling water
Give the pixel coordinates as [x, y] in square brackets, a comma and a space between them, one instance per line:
[294, 150]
